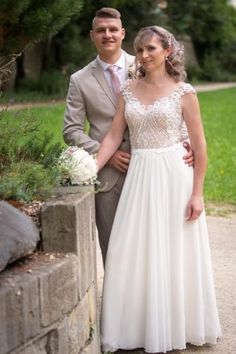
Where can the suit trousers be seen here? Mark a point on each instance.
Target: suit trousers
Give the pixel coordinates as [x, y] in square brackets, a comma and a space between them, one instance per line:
[106, 204]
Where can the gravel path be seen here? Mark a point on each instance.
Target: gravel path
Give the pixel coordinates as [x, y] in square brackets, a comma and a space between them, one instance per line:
[222, 232]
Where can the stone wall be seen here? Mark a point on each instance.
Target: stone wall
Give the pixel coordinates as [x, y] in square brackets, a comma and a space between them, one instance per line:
[48, 302]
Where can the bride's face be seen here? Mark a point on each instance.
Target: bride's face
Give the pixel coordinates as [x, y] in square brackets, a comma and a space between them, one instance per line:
[151, 54]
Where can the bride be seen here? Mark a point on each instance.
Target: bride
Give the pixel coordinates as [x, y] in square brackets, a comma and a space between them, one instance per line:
[158, 287]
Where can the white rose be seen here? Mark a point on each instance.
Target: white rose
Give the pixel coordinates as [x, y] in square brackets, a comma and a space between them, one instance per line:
[81, 167]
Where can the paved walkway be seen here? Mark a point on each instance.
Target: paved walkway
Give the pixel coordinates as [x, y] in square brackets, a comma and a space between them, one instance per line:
[199, 88]
[222, 232]
[214, 86]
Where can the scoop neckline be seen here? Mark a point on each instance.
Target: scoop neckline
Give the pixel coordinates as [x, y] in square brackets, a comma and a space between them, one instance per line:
[156, 100]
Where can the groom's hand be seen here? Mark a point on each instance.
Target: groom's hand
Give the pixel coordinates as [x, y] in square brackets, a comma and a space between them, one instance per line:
[120, 160]
[189, 157]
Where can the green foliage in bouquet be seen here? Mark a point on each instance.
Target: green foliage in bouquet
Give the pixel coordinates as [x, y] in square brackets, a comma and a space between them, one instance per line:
[27, 158]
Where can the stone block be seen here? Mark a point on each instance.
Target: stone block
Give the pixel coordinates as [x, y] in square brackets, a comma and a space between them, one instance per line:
[79, 327]
[28, 286]
[12, 325]
[58, 342]
[68, 225]
[58, 290]
[59, 227]
[59, 219]
[18, 234]
[86, 246]
[37, 347]
[19, 304]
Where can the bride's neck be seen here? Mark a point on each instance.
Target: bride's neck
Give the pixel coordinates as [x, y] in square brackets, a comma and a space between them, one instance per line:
[157, 79]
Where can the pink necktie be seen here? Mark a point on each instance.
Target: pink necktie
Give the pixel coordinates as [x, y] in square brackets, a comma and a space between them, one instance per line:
[115, 82]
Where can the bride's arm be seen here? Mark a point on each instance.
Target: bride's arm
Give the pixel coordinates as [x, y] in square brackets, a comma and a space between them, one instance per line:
[192, 117]
[114, 137]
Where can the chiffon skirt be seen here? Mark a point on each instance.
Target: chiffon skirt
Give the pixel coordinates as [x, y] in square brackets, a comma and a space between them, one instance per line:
[158, 288]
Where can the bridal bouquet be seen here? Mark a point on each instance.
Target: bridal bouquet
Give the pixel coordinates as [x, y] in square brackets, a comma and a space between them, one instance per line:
[77, 167]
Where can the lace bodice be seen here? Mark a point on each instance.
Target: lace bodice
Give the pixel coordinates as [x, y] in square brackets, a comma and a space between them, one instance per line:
[156, 125]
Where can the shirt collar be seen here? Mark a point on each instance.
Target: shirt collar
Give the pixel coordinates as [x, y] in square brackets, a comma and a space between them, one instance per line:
[120, 62]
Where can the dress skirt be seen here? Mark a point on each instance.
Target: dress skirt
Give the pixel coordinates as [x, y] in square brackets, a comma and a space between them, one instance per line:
[158, 289]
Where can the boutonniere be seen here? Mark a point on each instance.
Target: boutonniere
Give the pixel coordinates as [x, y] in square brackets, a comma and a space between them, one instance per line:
[131, 71]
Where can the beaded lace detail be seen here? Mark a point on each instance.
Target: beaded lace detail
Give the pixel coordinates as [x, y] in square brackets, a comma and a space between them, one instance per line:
[156, 125]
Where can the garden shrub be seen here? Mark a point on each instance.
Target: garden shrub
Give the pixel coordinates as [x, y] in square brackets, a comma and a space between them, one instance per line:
[27, 158]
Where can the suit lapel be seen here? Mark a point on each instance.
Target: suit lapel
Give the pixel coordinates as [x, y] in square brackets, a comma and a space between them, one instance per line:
[129, 60]
[100, 77]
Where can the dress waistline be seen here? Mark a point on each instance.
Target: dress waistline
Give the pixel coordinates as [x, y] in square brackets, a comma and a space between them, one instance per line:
[159, 150]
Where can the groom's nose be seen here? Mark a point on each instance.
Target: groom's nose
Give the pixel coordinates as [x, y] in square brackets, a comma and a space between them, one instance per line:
[107, 33]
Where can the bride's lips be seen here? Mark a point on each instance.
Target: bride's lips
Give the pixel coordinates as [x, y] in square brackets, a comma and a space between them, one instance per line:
[108, 42]
[146, 62]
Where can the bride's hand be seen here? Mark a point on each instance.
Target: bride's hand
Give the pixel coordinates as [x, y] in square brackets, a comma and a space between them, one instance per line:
[194, 208]
[120, 160]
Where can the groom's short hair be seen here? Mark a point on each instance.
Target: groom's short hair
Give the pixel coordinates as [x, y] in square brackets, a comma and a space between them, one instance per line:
[107, 12]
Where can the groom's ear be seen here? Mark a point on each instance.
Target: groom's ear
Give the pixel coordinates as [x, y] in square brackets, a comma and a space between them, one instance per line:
[123, 33]
[91, 35]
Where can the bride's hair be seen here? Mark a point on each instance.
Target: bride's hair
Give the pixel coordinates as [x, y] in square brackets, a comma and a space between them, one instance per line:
[174, 62]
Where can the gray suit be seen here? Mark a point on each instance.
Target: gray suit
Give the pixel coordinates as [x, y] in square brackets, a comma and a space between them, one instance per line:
[90, 96]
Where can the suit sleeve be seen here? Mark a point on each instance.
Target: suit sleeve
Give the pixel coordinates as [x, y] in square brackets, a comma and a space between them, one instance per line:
[75, 120]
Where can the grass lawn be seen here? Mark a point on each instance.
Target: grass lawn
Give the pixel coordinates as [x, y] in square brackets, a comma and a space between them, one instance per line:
[50, 120]
[219, 118]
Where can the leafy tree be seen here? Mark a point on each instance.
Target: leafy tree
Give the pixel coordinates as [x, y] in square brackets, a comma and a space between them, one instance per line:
[212, 27]
[29, 21]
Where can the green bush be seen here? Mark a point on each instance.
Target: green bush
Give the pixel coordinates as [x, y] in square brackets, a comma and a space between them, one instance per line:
[27, 181]
[194, 73]
[213, 70]
[27, 158]
[53, 83]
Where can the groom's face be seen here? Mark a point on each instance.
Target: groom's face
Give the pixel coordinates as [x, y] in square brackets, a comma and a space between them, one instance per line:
[107, 35]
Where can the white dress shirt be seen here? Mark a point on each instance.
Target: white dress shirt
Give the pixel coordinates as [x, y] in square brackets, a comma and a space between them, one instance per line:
[121, 68]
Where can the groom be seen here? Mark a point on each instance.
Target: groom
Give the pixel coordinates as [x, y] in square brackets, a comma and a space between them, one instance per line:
[92, 94]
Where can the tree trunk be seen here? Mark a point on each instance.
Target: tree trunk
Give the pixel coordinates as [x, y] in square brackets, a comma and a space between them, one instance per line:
[33, 61]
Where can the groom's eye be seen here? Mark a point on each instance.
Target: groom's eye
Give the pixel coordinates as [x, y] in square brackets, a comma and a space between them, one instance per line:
[114, 29]
[100, 30]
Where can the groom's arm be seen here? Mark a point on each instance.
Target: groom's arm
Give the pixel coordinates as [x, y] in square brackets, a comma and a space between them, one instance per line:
[75, 120]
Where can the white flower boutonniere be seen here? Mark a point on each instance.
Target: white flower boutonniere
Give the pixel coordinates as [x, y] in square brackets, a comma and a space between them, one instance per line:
[77, 167]
[131, 71]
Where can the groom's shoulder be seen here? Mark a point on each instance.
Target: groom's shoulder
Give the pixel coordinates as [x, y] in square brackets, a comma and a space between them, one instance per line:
[85, 71]
[130, 58]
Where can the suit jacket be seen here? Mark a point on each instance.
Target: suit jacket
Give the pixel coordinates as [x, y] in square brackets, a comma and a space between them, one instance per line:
[90, 96]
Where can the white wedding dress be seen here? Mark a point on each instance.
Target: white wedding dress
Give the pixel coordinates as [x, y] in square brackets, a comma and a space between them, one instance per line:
[158, 288]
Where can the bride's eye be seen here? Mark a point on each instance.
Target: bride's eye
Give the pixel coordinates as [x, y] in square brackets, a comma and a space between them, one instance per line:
[151, 47]
[139, 50]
